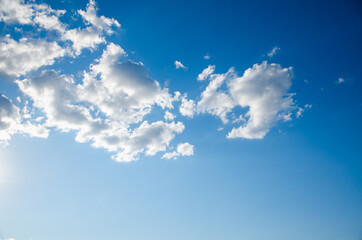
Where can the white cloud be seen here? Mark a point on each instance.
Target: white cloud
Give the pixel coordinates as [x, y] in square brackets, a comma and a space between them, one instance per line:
[83, 38]
[340, 80]
[11, 122]
[109, 105]
[187, 107]
[169, 116]
[113, 95]
[273, 52]
[215, 100]
[264, 90]
[178, 65]
[206, 73]
[16, 11]
[91, 36]
[183, 149]
[19, 57]
[102, 23]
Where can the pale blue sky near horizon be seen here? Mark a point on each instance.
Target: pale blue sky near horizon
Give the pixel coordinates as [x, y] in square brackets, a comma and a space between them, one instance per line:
[302, 180]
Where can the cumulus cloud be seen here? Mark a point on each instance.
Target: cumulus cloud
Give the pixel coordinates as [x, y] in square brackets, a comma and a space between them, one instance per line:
[178, 65]
[169, 116]
[262, 92]
[274, 51]
[108, 104]
[102, 23]
[206, 73]
[42, 15]
[11, 122]
[183, 149]
[263, 89]
[215, 100]
[187, 107]
[83, 38]
[114, 94]
[19, 57]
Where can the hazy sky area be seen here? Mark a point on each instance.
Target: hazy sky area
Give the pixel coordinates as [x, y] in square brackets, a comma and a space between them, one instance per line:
[180, 120]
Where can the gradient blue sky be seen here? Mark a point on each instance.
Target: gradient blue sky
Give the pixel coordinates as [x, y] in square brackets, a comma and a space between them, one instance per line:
[302, 180]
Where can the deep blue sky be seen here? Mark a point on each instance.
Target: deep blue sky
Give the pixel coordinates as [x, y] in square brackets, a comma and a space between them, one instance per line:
[302, 181]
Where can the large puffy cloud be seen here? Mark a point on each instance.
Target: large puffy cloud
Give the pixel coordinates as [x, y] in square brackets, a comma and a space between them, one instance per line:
[20, 57]
[262, 91]
[113, 95]
[124, 91]
[16, 11]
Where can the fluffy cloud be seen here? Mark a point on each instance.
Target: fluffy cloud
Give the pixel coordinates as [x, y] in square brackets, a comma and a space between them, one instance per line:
[83, 38]
[187, 107]
[183, 149]
[169, 116]
[206, 73]
[263, 89]
[11, 122]
[20, 57]
[178, 65]
[15, 11]
[102, 23]
[114, 94]
[214, 100]
[42, 16]
[93, 34]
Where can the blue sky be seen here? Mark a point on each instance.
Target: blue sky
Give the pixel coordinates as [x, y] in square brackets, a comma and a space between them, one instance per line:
[180, 120]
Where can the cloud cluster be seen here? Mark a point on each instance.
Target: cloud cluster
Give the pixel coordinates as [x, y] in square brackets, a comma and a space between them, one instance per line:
[108, 107]
[108, 104]
[20, 57]
[183, 149]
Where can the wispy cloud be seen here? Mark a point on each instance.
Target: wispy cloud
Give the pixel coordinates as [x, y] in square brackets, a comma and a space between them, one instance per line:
[274, 51]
